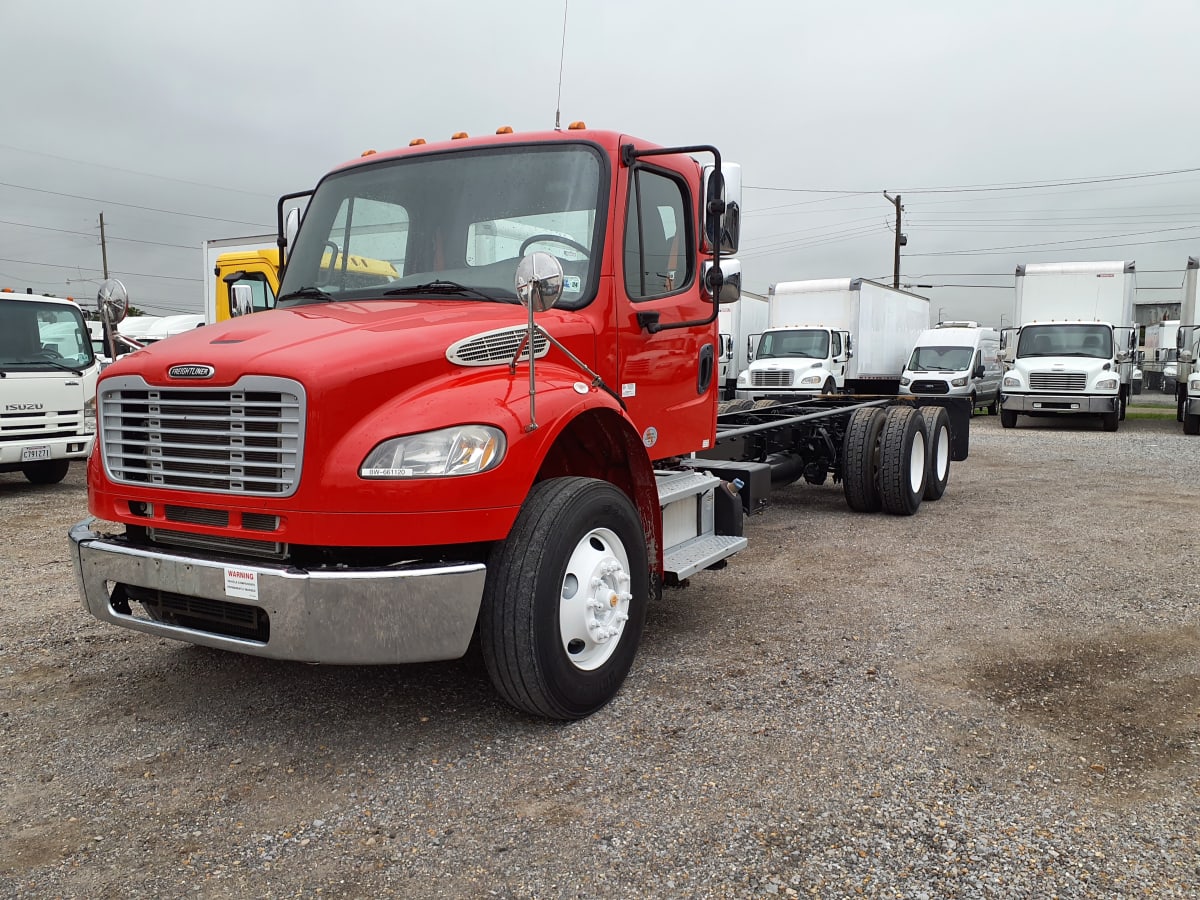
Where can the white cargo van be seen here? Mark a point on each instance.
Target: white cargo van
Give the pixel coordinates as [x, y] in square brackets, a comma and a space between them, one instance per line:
[958, 359]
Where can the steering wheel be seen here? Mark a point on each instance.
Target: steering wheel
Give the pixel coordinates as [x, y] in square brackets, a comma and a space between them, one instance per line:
[557, 239]
[47, 353]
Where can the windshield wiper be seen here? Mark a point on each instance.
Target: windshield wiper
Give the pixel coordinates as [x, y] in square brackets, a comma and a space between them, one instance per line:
[307, 293]
[54, 364]
[449, 287]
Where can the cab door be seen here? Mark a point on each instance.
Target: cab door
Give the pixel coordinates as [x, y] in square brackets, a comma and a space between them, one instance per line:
[668, 379]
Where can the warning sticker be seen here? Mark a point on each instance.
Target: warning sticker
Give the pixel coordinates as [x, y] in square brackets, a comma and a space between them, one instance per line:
[241, 583]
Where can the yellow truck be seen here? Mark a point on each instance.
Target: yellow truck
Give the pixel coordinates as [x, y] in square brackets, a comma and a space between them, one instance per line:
[257, 260]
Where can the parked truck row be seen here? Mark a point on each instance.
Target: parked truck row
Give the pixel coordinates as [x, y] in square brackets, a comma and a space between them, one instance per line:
[515, 436]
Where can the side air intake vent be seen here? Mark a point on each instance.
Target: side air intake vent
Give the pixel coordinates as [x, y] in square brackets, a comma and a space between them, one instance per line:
[494, 347]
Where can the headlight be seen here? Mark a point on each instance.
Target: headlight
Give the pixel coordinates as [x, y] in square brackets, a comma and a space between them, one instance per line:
[744, 378]
[89, 416]
[1106, 384]
[958, 382]
[462, 450]
[811, 379]
[1012, 381]
[905, 382]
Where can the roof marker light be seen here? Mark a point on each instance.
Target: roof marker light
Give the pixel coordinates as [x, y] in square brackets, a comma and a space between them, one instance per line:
[504, 129]
[368, 153]
[459, 135]
[577, 126]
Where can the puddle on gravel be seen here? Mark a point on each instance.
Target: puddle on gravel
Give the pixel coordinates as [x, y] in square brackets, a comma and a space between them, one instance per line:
[1129, 701]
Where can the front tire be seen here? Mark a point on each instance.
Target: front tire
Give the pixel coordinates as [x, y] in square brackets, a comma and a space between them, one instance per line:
[565, 599]
[1008, 418]
[903, 462]
[1191, 424]
[1111, 421]
[52, 471]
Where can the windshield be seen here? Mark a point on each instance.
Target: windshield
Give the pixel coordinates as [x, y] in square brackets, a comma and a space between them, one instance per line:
[451, 224]
[42, 337]
[1065, 340]
[941, 359]
[812, 343]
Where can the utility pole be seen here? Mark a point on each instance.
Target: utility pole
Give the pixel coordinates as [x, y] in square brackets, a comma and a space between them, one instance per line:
[901, 240]
[104, 247]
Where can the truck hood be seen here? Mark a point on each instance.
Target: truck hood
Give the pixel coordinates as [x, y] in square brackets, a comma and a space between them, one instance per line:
[342, 342]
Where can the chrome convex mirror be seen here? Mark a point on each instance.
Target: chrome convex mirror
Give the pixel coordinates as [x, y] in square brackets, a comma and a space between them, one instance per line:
[241, 300]
[112, 301]
[539, 281]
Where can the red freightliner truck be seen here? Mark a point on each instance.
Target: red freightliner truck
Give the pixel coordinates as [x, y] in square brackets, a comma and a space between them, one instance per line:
[515, 438]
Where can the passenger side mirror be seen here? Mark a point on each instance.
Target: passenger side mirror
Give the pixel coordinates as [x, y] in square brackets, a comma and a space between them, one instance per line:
[730, 288]
[724, 228]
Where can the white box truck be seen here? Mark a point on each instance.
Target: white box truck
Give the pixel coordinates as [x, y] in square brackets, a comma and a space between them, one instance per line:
[1072, 352]
[48, 375]
[739, 325]
[1187, 343]
[833, 335]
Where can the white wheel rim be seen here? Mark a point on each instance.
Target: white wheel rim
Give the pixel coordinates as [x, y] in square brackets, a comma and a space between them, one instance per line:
[917, 464]
[941, 461]
[594, 599]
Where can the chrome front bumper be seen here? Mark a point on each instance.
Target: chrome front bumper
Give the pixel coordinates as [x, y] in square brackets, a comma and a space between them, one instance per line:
[339, 617]
[1059, 403]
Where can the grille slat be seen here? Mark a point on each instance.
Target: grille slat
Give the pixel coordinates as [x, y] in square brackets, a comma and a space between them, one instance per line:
[247, 439]
[1058, 381]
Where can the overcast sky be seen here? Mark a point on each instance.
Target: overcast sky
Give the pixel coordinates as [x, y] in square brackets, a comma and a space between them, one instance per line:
[182, 122]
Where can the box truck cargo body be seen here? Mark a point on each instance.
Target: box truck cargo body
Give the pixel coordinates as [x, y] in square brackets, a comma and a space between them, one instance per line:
[834, 335]
[1073, 350]
[738, 325]
[1187, 344]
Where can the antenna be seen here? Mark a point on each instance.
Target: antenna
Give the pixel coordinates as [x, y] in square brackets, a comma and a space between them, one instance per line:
[561, 56]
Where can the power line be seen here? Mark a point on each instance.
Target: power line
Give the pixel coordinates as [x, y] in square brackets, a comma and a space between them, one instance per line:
[986, 188]
[167, 212]
[29, 262]
[215, 187]
[89, 234]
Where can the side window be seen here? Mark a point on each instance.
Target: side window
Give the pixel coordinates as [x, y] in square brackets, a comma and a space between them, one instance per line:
[264, 297]
[835, 348]
[658, 251]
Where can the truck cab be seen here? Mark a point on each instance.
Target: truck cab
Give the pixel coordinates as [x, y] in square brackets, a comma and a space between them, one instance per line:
[797, 359]
[483, 436]
[48, 372]
[1068, 368]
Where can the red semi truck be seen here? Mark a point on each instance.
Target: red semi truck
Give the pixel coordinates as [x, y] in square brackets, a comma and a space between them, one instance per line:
[516, 438]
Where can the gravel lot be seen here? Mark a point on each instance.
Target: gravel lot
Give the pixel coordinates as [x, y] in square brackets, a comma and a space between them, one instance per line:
[997, 697]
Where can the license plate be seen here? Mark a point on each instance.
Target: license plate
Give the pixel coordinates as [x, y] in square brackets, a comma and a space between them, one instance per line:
[29, 454]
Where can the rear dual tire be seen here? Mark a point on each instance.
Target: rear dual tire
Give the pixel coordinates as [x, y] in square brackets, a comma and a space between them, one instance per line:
[885, 463]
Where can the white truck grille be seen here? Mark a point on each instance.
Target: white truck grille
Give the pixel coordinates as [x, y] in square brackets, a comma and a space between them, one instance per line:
[245, 439]
[771, 378]
[1058, 381]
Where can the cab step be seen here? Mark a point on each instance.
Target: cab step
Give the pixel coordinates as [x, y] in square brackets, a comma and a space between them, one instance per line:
[690, 541]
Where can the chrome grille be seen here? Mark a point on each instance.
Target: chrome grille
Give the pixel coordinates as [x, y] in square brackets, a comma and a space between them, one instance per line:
[1057, 381]
[245, 439]
[771, 378]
